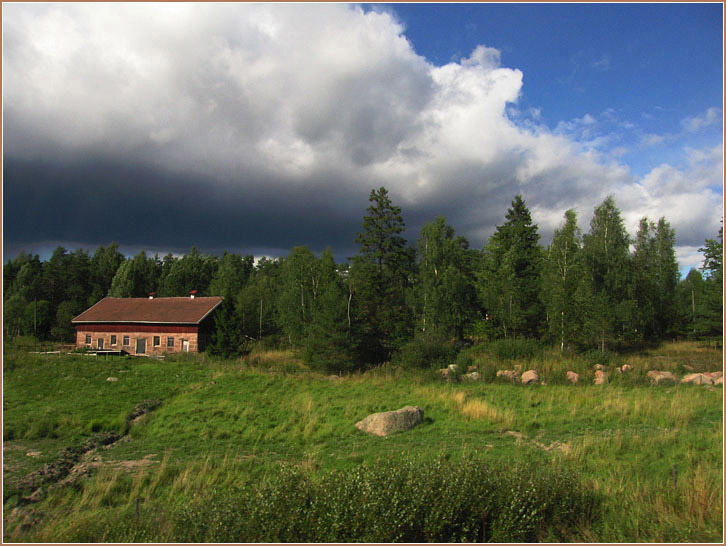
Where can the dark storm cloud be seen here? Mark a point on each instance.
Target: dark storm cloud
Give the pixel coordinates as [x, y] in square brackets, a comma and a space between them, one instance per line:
[141, 206]
[258, 127]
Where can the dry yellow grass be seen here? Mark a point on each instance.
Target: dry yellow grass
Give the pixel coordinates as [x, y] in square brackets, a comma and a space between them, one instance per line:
[471, 408]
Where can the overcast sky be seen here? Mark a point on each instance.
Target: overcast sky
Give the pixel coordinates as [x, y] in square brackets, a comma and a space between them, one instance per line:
[259, 127]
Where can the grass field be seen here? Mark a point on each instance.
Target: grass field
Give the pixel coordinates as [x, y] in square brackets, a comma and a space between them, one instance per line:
[652, 455]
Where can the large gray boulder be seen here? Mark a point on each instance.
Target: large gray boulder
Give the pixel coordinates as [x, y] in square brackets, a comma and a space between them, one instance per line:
[388, 422]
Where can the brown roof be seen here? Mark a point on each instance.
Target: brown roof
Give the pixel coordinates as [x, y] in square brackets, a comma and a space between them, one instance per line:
[157, 310]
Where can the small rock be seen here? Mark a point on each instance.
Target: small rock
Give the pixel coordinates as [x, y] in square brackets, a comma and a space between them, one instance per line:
[598, 367]
[112, 379]
[719, 381]
[453, 368]
[625, 368]
[530, 376]
[32, 453]
[473, 376]
[657, 377]
[713, 375]
[573, 377]
[470, 369]
[212, 382]
[688, 368]
[508, 374]
[600, 377]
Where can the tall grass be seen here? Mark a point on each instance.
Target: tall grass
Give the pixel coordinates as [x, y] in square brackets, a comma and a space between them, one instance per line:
[228, 425]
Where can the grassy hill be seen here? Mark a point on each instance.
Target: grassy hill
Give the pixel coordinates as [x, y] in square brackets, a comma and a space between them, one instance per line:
[642, 461]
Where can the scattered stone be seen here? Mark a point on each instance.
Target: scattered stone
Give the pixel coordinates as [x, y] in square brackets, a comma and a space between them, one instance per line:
[688, 368]
[573, 377]
[33, 453]
[657, 377]
[530, 376]
[470, 369]
[713, 375]
[697, 379]
[112, 379]
[600, 377]
[508, 374]
[598, 367]
[453, 368]
[719, 381]
[625, 368]
[334, 377]
[473, 376]
[388, 422]
[212, 382]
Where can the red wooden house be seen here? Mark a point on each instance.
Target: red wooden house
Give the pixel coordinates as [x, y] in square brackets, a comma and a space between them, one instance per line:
[147, 326]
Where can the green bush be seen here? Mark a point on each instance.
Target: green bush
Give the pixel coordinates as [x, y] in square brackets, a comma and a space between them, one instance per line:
[596, 356]
[425, 353]
[515, 349]
[404, 501]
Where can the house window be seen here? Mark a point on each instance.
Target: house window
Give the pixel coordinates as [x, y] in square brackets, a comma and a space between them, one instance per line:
[113, 340]
[170, 342]
[88, 339]
[126, 341]
[157, 341]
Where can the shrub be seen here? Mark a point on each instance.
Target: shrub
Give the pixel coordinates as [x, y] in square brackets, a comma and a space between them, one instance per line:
[425, 353]
[596, 356]
[515, 349]
[402, 501]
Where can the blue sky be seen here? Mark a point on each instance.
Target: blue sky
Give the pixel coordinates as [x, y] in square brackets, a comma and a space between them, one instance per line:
[651, 64]
[259, 127]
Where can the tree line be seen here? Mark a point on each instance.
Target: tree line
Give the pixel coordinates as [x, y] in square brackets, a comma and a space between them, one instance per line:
[584, 290]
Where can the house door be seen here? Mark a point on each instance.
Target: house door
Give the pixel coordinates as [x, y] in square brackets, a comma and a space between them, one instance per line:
[140, 346]
[185, 345]
[100, 343]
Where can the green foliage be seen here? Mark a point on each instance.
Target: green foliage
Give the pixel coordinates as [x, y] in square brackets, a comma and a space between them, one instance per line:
[445, 289]
[655, 278]
[713, 273]
[606, 307]
[431, 352]
[328, 344]
[136, 277]
[509, 280]
[193, 271]
[380, 272]
[410, 500]
[562, 272]
[514, 349]
[231, 275]
[299, 280]
[226, 340]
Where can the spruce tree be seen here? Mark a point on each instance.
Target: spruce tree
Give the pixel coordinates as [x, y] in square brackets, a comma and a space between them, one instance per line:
[381, 270]
[226, 340]
[509, 279]
[328, 342]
